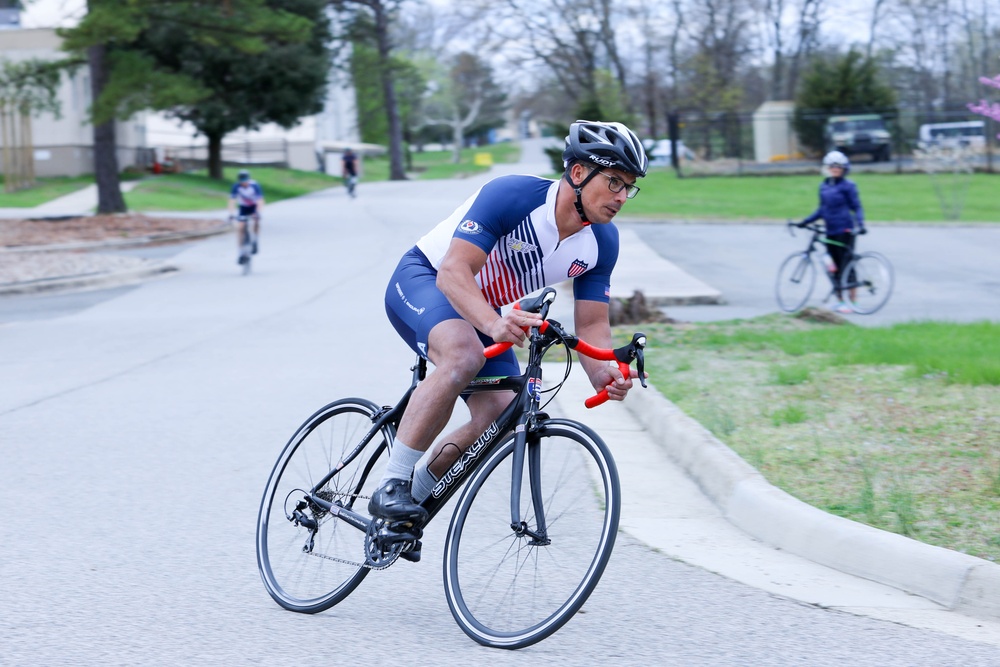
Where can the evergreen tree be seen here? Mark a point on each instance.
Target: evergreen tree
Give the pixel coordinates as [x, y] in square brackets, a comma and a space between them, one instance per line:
[844, 85]
[113, 38]
[278, 84]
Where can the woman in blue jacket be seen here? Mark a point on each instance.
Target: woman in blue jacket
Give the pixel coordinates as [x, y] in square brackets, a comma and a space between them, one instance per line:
[840, 209]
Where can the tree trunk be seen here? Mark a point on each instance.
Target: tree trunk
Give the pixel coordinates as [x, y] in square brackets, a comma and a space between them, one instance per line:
[214, 155]
[109, 192]
[396, 171]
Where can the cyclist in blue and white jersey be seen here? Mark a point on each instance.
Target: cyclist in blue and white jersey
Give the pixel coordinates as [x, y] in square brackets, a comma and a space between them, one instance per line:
[246, 199]
[515, 235]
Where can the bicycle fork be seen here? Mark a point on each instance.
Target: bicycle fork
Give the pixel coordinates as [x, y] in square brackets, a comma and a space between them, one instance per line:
[527, 447]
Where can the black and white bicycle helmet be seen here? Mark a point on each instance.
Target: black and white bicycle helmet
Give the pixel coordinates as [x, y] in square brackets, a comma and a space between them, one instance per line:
[837, 159]
[610, 145]
[602, 145]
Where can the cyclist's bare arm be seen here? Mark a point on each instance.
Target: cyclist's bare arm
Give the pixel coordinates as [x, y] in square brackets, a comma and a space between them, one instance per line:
[592, 325]
[457, 280]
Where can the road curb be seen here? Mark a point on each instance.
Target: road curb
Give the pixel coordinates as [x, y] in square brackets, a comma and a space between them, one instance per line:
[85, 280]
[954, 580]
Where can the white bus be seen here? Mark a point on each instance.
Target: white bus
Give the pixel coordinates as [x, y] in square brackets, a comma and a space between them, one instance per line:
[970, 133]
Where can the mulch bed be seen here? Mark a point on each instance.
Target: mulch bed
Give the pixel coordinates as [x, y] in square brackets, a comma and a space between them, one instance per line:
[45, 231]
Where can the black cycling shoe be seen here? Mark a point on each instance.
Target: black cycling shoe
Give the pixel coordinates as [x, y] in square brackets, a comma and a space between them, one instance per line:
[393, 502]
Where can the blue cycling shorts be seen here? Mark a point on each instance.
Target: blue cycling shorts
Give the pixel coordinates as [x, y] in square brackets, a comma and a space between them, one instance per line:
[415, 305]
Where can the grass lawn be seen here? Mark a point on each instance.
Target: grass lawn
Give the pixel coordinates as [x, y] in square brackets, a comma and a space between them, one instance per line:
[885, 197]
[896, 427]
[437, 164]
[196, 192]
[46, 190]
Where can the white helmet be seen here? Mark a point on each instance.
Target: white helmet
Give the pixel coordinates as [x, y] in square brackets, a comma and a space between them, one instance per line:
[836, 159]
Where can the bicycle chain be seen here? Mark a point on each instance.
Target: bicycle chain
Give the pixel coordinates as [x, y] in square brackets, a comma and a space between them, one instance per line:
[335, 559]
[350, 562]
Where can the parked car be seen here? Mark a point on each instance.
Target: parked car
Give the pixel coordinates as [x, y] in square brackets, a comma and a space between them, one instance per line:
[965, 134]
[861, 133]
[658, 151]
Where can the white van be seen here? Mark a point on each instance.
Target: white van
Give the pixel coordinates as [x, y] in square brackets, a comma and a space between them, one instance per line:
[970, 133]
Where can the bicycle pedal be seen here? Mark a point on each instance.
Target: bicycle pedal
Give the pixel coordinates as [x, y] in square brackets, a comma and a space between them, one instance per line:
[411, 551]
[397, 532]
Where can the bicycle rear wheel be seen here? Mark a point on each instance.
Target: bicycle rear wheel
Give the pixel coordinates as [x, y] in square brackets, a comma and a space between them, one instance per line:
[796, 279]
[867, 282]
[307, 571]
[507, 588]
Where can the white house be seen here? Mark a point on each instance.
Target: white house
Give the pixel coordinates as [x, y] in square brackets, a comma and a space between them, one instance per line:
[64, 145]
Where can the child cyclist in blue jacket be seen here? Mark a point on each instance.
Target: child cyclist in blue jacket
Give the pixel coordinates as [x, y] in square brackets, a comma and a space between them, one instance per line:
[840, 209]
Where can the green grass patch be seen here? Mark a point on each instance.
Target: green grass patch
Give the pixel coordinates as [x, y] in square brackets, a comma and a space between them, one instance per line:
[429, 165]
[885, 197]
[959, 353]
[789, 414]
[195, 191]
[46, 190]
[895, 427]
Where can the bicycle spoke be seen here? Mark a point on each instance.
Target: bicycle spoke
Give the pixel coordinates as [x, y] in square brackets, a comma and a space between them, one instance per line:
[504, 588]
[867, 282]
[795, 282]
[311, 580]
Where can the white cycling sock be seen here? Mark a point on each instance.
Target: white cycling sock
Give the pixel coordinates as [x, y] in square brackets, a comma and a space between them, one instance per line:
[423, 483]
[402, 459]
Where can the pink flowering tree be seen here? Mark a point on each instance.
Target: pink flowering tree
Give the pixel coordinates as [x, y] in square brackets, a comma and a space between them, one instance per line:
[984, 108]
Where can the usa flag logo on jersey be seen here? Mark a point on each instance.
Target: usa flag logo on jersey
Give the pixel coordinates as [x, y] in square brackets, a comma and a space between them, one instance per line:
[576, 268]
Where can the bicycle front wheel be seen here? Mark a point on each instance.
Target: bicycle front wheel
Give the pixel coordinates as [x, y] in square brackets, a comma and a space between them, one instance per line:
[509, 586]
[867, 282]
[309, 559]
[796, 279]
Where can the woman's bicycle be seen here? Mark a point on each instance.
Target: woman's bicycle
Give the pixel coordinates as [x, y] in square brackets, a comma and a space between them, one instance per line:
[865, 282]
[530, 535]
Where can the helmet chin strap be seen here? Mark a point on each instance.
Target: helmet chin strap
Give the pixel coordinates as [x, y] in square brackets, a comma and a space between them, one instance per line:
[578, 189]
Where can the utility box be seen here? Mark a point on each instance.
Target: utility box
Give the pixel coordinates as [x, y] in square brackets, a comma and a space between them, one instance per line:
[774, 138]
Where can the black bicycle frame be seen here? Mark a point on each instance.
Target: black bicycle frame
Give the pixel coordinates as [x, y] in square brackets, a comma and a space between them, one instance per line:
[519, 417]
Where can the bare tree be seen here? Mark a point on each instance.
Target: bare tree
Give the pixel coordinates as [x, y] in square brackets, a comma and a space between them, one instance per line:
[574, 39]
[459, 97]
[791, 42]
[380, 12]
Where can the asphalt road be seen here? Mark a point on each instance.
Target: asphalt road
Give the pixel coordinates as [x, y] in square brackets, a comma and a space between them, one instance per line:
[942, 272]
[138, 430]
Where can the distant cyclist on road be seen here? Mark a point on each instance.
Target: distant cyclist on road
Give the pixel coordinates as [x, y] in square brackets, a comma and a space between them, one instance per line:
[515, 235]
[349, 170]
[246, 199]
[840, 209]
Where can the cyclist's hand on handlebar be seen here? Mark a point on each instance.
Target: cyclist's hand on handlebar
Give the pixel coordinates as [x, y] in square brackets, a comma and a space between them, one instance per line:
[863, 230]
[511, 327]
[617, 385]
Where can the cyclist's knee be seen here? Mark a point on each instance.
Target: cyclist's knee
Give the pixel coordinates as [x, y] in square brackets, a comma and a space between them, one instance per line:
[461, 357]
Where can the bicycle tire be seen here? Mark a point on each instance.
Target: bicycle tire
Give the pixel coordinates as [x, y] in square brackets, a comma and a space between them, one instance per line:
[313, 582]
[870, 276]
[795, 282]
[246, 248]
[506, 592]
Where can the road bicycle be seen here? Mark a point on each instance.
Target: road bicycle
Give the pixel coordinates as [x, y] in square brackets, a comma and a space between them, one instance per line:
[351, 182]
[865, 283]
[529, 537]
[248, 242]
